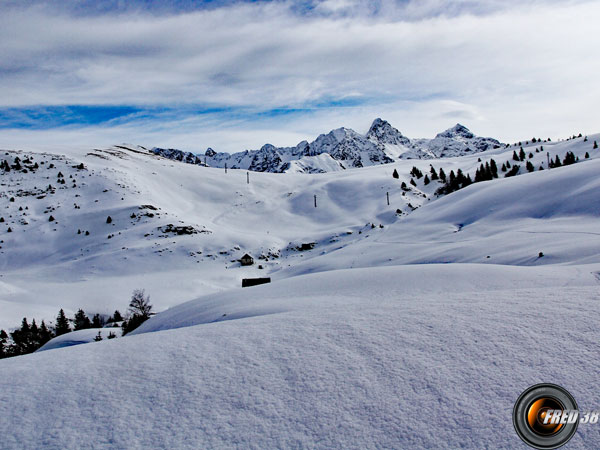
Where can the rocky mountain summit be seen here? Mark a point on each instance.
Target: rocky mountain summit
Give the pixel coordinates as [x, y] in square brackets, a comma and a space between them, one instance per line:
[341, 149]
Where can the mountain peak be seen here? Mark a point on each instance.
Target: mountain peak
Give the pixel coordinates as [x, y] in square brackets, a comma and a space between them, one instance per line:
[457, 130]
[342, 148]
[379, 122]
[383, 132]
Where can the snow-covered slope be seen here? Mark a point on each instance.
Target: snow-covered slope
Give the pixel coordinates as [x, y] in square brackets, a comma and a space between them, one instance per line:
[382, 144]
[505, 221]
[363, 340]
[155, 202]
[397, 357]
[79, 337]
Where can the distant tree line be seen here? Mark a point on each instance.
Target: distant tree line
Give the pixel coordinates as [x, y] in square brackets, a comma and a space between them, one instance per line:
[30, 337]
[488, 170]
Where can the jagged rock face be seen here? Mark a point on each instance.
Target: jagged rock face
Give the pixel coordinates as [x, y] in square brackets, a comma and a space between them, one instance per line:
[348, 146]
[267, 159]
[381, 132]
[178, 155]
[342, 148]
[302, 149]
[393, 143]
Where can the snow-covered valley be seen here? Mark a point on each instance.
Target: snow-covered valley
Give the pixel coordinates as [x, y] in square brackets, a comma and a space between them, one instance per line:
[390, 317]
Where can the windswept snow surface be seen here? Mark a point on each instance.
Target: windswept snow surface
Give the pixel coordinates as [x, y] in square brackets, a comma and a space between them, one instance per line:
[429, 356]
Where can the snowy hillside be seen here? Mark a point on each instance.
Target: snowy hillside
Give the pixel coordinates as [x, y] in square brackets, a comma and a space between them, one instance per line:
[341, 149]
[379, 319]
[177, 230]
[362, 358]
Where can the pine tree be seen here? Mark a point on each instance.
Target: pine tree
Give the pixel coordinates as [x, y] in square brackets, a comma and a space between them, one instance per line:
[515, 156]
[109, 219]
[415, 172]
[82, 321]
[22, 339]
[35, 336]
[395, 174]
[529, 166]
[426, 180]
[97, 321]
[494, 168]
[503, 168]
[521, 154]
[116, 317]
[413, 182]
[569, 159]
[442, 175]
[587, 155]
[460, 177]
[45, 333]
[514, 171]
[434, 175]
[595, 145]
[62, 324]
[557, 162]
[488, 172]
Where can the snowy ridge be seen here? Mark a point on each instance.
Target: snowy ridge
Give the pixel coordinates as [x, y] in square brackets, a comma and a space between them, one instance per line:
[383, 144]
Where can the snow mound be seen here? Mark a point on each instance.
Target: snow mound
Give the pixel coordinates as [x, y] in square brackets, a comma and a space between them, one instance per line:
[79, 337]
[314, 290]
[368, 359]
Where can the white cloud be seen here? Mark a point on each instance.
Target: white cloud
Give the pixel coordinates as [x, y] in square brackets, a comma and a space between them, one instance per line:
[507, 69]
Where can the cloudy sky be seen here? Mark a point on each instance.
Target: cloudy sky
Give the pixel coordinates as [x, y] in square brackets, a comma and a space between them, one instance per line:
[234, 75]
